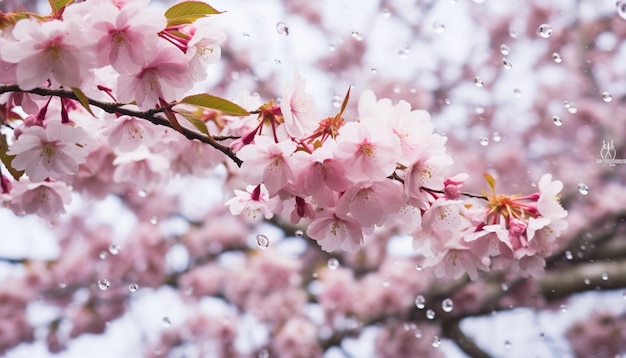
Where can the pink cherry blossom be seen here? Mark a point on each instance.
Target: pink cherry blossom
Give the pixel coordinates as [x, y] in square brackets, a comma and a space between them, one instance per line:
[163, 76]
[45, 199]
[267, 162]
[52, 151]
[370, 203]
[299, 109]
[366, 155]
[47, 50]
[254, 202]
[142, 168]
[548, 204]
[333, 232]
[204, 47]
[128, 133]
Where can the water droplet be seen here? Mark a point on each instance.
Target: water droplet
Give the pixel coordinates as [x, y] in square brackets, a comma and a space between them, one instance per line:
[507, 65]
[568, 255]
[624, 295]
[372, 70]
[333, 263]
[282, 28]
[507, 344]
[479, 81]
[133, 287]
[496, 137]
[447, 305]
[563, 308]
[513, 34]
[587, 281]
[386, 13]
[419, 267]
[607, 97]
[404, 53]
[103, 255]
[479, 110]
[557, 121]
[357, 36]
[621, 9]
[418, 334]
[439, 27]
[262, 241]
[504, 286]
[430, 314]
[557, 57]
[420, 302]
[299, 233]
[166, 322]
[142, 193]
[447, 101]
[517, 92]
[605, 276]
[571, 108]
[277, 61]
[154, 220]
[332, 48]
[114, 249]
[336, 101]
[505, 50]
[583, 189]
[436, 342]
[246, 35]
[544, 31]
[62, 284]
[484, 141]
[386, 283]
[104, 284]
[263, 353]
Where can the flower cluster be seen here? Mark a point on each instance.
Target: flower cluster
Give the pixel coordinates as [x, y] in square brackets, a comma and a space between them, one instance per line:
[343, 179]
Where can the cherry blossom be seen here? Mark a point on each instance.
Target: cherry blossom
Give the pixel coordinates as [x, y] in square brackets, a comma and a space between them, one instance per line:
[254, 202]
[298, 109]
[46, 199]
[333, 232]
[52, 151]
[127, 133]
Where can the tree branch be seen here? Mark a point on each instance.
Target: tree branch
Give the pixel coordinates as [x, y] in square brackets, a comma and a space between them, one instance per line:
[150, 115]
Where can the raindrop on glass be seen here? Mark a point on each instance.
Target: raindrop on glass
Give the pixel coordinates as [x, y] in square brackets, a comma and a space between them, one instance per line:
[568, 255]
[430, 314]
[544, 31]
[621, 8]
[114, 249]
[420, 302]
[104, 284]
[166, 322]
[439, 27]
[299, 233]
[557, 121]
[447, 305]
[103, 255]
[484, 141]
[506, 64]
[583, 189]
[479, 81]
[496, 137]
[282, 29]
[557, 57]
[605, 276]
[607, 97]
[436, 342]
[505, 50]
[142, 193]
[333, 263]
[262, 241]
[133, 287]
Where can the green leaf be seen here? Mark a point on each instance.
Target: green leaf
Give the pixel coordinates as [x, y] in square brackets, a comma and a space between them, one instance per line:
[7, 159]
[187, 12]
[193, 119]
[491, 181]
[57, 5]
[82, 98]
[207, 101]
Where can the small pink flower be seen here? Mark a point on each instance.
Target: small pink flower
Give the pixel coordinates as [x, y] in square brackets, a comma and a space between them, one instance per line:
[254, 202]
[333, 232]
[141, 168]
[452, 186]
[371, 203]
[548, 202]
[46, 199]
[47, 50]
[267, 162]
[128, 133]
[299, 109]
[204, 47]
[52, 151]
